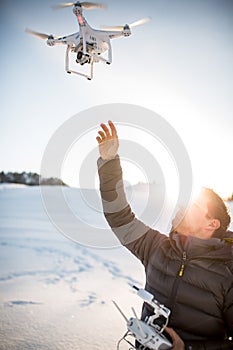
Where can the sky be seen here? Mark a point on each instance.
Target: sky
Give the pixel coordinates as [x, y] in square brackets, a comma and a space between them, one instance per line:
[179, 65]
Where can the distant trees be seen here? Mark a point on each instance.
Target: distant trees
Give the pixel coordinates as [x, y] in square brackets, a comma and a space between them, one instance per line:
[29, 178]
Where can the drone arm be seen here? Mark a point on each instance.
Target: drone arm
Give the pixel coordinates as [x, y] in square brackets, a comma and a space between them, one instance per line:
[60, 41]
[69, 40]
[111, 34]
[116, 35]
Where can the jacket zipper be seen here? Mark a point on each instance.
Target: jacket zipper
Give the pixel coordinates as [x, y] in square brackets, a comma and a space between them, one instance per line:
[176, 282]
[181, 272]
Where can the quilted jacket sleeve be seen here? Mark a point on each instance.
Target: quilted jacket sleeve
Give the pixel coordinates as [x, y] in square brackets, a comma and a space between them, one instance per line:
[131, 232]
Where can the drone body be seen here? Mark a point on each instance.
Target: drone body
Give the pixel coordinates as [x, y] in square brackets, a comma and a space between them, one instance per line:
[90, 45]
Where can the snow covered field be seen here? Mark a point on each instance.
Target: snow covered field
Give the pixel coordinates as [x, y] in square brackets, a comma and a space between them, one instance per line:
[55, 293]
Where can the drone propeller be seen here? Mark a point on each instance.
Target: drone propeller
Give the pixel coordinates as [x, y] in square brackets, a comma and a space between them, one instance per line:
[134, 24]
[84, 4]
[39, 35]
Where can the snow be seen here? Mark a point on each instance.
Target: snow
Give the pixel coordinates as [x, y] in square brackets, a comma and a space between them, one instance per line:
[55, 293]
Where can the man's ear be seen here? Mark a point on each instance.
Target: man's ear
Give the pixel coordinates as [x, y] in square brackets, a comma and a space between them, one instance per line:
[214, 224]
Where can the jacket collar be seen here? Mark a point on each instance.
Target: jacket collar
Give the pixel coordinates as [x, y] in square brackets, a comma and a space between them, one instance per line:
[214, 248]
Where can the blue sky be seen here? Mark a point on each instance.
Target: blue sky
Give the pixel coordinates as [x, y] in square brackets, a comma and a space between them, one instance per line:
[180, 65]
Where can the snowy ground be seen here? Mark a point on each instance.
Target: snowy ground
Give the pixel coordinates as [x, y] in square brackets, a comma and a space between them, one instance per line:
[55, 293]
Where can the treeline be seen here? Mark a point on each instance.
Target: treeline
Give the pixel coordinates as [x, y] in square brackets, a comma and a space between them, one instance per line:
[29, 178]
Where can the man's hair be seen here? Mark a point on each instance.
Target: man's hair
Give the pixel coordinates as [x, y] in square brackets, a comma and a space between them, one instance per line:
[218, 210]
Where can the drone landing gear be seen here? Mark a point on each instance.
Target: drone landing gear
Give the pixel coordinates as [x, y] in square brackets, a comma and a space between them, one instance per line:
[69, 71]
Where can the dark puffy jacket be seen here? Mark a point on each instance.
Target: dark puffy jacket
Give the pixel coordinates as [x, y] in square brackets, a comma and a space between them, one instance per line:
[195, 281]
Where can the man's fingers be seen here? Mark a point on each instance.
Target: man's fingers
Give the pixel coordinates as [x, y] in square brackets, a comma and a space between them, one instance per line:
[102, 134]
[105, 128]
[113, 129]
[107, 132]
[178, 343]
[171, 332]
[107, 140]
[99, 140]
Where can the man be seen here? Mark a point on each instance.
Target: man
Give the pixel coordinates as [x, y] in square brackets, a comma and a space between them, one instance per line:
[191, 270]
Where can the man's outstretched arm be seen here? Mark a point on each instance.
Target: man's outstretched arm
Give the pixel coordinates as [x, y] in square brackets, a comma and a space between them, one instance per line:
[139, 238]
[116, 208]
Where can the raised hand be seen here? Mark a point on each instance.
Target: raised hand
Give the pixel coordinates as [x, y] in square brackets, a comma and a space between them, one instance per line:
[108, 141]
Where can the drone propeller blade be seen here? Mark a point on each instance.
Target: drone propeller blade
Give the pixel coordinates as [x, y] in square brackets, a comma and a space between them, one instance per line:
[61, 6]
[140, 22]
[39, 35]
[84, 4]
[134, 24]
[92, 5]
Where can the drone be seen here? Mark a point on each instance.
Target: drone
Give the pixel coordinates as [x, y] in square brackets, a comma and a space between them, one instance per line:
[89, 45]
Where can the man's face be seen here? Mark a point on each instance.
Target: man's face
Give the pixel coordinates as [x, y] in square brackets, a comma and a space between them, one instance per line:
[196, 221]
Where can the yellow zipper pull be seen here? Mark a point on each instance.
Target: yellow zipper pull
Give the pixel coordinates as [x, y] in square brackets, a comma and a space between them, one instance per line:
[181, 272]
